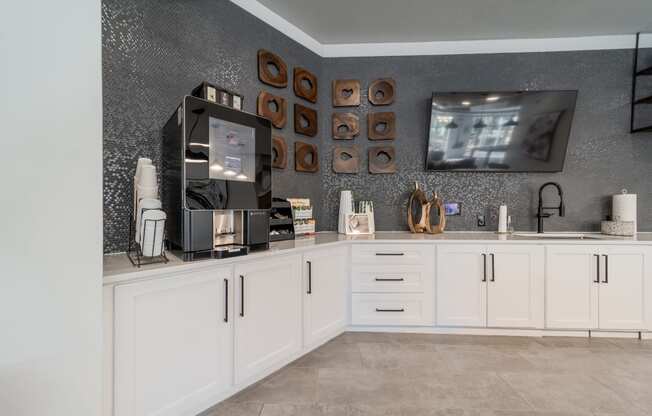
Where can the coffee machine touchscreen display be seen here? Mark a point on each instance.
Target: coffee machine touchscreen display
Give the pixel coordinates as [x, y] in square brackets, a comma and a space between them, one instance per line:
[232, 154]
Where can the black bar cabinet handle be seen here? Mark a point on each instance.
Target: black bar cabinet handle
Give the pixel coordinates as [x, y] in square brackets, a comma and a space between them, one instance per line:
[484, 267]
[597, 268]
[493, 268]
[390, 310]
[389, 279]
[226, 300]
[606, 268]
[241, 295]
[390, 254]
[309, 277]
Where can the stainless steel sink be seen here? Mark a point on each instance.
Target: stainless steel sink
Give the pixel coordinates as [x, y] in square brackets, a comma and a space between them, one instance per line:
[557, 236]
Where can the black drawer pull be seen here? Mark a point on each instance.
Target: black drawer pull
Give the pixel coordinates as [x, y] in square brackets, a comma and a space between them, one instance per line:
[389, 279]
[309, 277]
[242, 296]
[226, 300]
[484, 267]
[390, 254]
[606, 268]
[597, 268]
[390, 310]
[493, 268]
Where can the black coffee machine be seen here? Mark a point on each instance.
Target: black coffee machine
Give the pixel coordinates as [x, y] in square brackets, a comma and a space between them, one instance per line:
[216, 179]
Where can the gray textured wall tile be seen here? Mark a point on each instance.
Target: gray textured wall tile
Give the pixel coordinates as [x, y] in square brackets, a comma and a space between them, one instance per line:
[154, 52]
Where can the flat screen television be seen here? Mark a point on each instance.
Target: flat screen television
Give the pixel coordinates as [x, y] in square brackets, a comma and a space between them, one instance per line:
[512, 131]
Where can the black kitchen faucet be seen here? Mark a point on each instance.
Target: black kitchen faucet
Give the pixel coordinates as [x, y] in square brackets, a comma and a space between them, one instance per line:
[561, 208]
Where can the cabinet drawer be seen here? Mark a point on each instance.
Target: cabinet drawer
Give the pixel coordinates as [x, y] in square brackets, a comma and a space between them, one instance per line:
[391, 309]
[392, 253]
[382, 279]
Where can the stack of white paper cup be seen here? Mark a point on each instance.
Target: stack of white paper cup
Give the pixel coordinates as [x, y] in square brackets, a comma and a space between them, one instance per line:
[151, 232]
[146, 205]
[346, 207]
[142, 161]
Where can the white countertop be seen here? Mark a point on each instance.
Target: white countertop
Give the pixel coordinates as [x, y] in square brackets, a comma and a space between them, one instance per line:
[118, 268]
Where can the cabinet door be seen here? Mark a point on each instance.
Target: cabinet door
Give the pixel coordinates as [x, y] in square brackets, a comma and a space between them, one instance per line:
[268, 315]
[325, 294]
[173, 344]
[515, 286]
[571, 288]
[626, 275]
[461, 290]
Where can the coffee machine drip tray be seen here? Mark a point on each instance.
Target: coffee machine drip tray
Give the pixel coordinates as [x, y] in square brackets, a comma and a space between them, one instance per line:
[230, 250]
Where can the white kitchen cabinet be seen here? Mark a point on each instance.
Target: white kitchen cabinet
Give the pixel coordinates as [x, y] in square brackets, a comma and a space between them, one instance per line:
[515, 286]
[268, 315]
[173, 343]
[624, 290]
[598, 287]
[461, 290]
[571, 286]
[392, 284]
[325, 285]
[497, 286]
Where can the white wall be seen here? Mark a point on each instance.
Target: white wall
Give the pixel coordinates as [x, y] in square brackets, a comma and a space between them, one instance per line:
[50, 208]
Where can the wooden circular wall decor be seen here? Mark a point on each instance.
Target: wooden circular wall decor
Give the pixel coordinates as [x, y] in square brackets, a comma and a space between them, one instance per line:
[305, 120]
[417, 204]
[272, 107]
[382, 159]
[345, 126]
[279, 152]
[346, 159]
[381, 126]
[382, 91]
[306, 157]
[346, 93]
[436, 207]
[276, 77]
[421, 210]
[305, 84]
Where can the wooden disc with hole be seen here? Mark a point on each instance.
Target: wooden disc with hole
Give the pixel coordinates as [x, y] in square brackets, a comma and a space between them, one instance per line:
[302, 77]
[278, 117]
[382, 159]
[279, 152]
[346, 159]
[381, 126]
[345, 126]
[382, 91]
[306, 157]
[346, 93]
[267, 59]
[305, 120]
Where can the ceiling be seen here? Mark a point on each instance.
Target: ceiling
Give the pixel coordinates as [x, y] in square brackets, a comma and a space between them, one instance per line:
[380, 21]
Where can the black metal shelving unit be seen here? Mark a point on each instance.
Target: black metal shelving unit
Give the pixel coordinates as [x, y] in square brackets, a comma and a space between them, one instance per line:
[644, 100]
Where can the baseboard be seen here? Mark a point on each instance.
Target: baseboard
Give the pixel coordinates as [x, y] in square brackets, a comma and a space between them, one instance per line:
[449, 330]
[614, 334]
[501, 332]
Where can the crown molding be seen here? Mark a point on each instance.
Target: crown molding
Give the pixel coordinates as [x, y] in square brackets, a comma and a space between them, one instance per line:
[582, 43]
[279, 23]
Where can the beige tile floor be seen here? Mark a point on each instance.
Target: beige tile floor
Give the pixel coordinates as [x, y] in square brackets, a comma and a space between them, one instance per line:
[379, 374]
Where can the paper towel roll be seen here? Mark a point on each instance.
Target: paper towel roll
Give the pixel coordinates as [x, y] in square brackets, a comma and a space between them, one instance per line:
[502, 219]
[623, 207]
